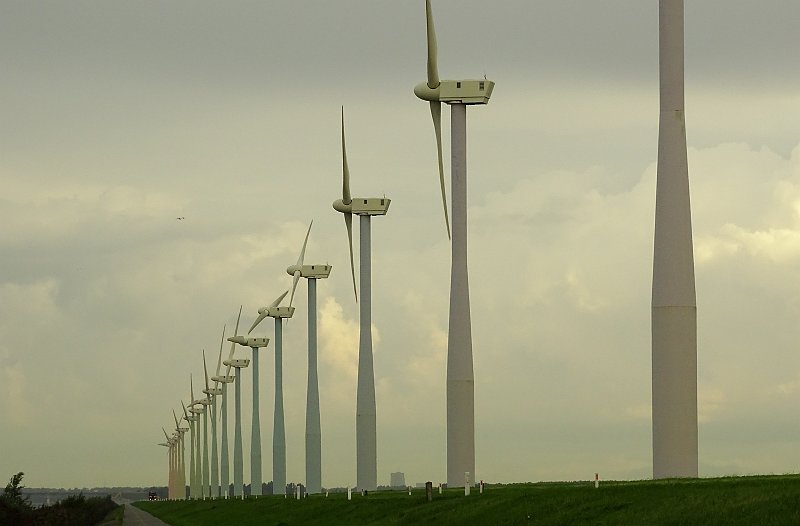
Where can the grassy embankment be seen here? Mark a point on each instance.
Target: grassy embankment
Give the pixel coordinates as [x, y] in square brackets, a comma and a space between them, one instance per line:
[763, 500]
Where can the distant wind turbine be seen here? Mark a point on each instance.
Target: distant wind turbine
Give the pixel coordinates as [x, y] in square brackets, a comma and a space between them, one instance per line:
[278, 425]
[198, 409]
[256, 480]
[181, 457]
[212, 393]
[194, 487]
[460, 377]
[238, 460]
[313, 431]
[226, 379]
[366, 419]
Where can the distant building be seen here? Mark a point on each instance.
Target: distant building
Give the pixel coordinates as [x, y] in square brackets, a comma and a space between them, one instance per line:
[397, 480]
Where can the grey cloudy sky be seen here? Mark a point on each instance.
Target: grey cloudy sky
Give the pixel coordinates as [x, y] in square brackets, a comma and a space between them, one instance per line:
[118, 117]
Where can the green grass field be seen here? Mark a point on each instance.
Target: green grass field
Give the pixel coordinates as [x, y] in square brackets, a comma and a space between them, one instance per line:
[762, 500]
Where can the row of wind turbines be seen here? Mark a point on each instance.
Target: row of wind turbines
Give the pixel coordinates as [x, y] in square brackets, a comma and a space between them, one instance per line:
[674, 313]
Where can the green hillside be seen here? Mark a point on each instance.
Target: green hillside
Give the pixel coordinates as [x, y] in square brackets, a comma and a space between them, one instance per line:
[762, 500]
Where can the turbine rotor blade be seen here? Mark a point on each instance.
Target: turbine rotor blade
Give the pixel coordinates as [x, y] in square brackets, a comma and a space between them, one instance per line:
[346, 198]
[348, 221]
[177, 424]
[294, 286]
[436, 114]
[278, 301]
[205, 368]
[191, 388]
[233, 345]
[221, 343]
[433, 68]
[258, 320]
[305, 242]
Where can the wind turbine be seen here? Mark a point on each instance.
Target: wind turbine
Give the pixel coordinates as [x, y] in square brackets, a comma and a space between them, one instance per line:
[460, 377]
[225, 380]
[278, 425]
[674, 306]
[172, 441]
[238, 461]
[181, 457]
[366, 425]
[256, 480]
[212, 393]
[171, 475]
[193, 485]
[205, 402]
[197, 408]
[313, 431]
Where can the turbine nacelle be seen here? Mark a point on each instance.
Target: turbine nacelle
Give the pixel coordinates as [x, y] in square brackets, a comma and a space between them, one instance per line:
[370, 206]
[275, 312]
[310, 271]
[249, 342]
[213, 391]
[224, 379]
[470, 91]
[239, 363]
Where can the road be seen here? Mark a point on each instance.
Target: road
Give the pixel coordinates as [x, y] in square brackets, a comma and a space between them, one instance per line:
[136, 517]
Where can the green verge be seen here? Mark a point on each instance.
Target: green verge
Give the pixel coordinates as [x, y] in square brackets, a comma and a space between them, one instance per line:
[761, 500]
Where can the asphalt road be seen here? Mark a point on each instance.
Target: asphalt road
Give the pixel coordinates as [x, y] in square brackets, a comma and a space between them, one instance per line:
[136, 517]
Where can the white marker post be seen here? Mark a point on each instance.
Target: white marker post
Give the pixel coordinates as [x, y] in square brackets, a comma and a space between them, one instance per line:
[440, 488]
[481, 487]
[596, 480]
[466, 483]
[349, 493]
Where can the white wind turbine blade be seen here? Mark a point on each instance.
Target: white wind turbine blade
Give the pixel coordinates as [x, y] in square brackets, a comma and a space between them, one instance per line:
[436, 106]
[205, 370]
[221, 342]
[177, 423]
[347, 199]
[191, 389]
[433, 67]
[165, 434]
[233, 345]
[258, 320]
[300, 263]
[436, 115]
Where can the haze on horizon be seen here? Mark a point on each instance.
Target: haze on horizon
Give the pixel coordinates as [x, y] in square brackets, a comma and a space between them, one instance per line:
[117, 118]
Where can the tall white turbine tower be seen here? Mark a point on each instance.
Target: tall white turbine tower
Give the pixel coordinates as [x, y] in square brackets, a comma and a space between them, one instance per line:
[170, 477]
[181, 457]
[205, 403]
[366, 419]
[194, 487]
[460, 378]
[196, 408]
[171, 444]
[212, 393]
[226, 379]
[278, 424]
[238, 460]
[313, 429]
[256, 480]
[674, 308]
